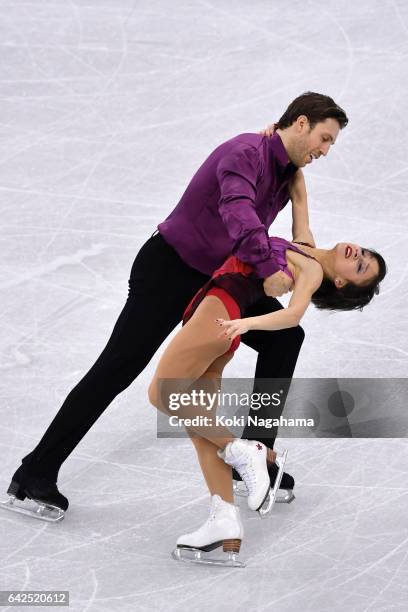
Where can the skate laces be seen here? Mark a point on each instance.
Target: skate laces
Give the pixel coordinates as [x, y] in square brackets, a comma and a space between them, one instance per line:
[248, 473]
[212, 517]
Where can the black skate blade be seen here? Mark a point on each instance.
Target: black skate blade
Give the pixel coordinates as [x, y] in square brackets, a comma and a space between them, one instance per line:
[188, 554]
[38, 509]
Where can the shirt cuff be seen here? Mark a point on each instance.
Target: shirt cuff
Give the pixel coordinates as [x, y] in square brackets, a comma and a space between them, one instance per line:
[264, 269]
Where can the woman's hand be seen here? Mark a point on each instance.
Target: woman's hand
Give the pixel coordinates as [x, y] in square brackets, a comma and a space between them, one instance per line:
[268, 131]
[233, 328]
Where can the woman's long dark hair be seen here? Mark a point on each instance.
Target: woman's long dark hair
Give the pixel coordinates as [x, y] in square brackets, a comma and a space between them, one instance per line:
[349, 297]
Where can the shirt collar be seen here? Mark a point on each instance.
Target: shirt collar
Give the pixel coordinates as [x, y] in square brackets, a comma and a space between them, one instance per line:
[280, 154]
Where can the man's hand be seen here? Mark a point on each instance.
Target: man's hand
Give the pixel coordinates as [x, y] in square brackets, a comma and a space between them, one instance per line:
[268, 131]
[277, 284]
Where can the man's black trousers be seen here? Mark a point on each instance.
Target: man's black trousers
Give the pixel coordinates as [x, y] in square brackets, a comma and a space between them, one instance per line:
[160, 287]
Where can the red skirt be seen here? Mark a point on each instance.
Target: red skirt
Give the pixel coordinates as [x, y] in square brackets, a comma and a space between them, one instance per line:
[234, 285]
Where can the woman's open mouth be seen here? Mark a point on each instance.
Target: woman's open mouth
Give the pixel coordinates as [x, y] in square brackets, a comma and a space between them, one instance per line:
[349, 251]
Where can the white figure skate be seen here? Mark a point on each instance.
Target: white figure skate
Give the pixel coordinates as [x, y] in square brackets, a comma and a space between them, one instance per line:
[279, 494]
[222, 528]
[248, 458]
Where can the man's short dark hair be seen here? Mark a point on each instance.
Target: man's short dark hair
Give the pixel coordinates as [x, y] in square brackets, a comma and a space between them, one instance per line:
[316, 107]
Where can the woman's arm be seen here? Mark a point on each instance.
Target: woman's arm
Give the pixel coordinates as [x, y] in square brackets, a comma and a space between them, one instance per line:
[300, 215]
[307, 282]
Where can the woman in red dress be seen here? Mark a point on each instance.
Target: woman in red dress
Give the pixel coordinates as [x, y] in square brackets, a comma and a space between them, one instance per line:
[345, 277]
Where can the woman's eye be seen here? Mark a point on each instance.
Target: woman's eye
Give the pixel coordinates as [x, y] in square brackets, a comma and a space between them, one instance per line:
[359, 268]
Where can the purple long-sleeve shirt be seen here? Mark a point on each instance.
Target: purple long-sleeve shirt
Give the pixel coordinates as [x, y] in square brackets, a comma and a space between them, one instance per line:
[230, 203]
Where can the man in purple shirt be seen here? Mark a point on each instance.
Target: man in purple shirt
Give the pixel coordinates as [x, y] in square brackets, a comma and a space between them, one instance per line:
[230, 203]
[226, 209]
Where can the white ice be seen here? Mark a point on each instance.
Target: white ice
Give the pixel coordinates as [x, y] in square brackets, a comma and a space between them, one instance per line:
[97, 98]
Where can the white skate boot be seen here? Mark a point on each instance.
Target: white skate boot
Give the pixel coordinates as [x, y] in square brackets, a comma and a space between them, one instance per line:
[248, 458]
[276, 472]
[222, 528]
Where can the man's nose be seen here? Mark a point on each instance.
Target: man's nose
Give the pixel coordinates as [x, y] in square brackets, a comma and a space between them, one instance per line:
[324, 149]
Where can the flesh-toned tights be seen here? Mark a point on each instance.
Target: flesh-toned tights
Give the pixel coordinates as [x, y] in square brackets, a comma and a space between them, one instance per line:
[196, 358]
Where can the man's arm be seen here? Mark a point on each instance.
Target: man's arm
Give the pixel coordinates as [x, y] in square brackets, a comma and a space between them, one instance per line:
[308, 281]
[298, 195]
[238, 173]
[300, 215]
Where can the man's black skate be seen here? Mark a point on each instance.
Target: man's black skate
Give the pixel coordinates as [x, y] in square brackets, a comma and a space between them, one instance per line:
[47, 503]
[286, 486]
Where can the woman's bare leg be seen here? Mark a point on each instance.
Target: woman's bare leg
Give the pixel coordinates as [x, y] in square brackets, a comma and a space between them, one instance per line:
[217, 474]
[185, 361]
[196, 357]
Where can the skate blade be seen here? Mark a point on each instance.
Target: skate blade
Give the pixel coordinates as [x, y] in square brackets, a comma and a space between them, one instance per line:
[267, 505]
[191, 555]
[39, 510]
[284, 496]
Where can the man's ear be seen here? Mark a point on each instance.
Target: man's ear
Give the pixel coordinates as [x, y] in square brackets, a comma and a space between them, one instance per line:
[302, 123]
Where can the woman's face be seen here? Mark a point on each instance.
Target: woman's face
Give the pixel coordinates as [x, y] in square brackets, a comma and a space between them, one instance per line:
[353, 264]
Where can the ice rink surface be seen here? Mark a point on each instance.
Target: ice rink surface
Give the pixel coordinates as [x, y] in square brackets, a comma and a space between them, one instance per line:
[107, 108]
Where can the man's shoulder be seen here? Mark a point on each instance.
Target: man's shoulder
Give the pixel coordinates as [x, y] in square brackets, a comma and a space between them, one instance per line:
[247, 144]
[248, 139]
[236, 150]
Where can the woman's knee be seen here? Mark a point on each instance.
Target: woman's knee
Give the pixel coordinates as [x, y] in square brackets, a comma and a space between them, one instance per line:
[160, 393]
[152, 393]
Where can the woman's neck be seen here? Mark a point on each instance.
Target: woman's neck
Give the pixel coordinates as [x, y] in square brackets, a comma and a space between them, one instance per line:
[323, 256]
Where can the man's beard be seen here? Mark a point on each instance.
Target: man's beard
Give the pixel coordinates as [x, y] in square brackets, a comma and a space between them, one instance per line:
[300, 153]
